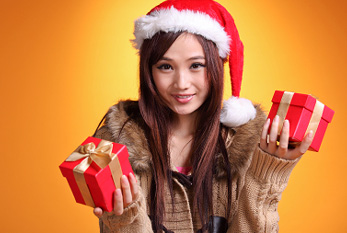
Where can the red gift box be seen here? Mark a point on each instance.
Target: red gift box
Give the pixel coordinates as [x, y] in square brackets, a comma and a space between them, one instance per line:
[304, 113]
[93, 171]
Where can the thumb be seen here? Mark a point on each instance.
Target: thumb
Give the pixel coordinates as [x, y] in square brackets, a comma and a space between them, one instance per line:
[98, 212]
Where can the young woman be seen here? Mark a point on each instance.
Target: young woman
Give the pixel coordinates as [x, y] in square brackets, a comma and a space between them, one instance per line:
[199, 167]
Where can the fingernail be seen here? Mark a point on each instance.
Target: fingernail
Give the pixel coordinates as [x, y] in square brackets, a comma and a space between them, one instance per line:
[118, 192]
[276, 118]
[286, 122]
[131, 176]
[310, 134]
[125, 180]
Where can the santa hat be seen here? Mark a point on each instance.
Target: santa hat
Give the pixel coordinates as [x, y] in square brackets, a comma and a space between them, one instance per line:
[213, 22]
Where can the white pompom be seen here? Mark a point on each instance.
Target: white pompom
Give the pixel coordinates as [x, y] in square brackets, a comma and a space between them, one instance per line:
[237, 111]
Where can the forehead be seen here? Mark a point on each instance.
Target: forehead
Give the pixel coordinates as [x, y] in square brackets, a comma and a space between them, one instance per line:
[185, 47]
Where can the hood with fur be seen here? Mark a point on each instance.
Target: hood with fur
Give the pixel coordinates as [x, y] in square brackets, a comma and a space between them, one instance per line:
[124, 125]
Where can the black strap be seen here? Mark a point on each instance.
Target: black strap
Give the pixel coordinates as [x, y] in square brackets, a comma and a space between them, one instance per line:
[215, 225]
[185, 180]
[166, 230]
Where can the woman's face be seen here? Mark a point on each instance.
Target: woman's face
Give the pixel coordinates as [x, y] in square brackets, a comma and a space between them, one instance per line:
[180, 75]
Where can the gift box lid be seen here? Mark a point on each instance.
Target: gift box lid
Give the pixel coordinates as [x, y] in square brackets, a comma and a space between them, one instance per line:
[305, 101]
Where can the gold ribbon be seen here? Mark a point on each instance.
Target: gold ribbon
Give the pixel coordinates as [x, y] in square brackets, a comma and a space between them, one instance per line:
[315, 118]
[102, 155]
[283, 107]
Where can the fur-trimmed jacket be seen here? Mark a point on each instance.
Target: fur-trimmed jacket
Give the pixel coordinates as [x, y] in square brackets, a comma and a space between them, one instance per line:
[258, 179]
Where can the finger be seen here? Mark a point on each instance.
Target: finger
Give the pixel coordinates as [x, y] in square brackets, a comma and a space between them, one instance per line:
[306, 143]
[118, 202]
[134, 186]
[272, 146]
[284, 138]
[263, 139]
[303, 147]
[127, 195]
[98, 212]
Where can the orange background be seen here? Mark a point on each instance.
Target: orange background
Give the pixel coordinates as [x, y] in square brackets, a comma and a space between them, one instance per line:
[63, 63]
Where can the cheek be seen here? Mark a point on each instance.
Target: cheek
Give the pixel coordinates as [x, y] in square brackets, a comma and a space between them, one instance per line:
[204, 83]
[159, 83]
[160, 87]
[206, 90]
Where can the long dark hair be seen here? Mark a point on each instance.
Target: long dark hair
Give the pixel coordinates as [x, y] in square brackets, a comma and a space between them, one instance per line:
[207, 141]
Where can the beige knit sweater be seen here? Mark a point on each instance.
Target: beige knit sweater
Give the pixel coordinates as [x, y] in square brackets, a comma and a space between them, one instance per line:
[257, 183]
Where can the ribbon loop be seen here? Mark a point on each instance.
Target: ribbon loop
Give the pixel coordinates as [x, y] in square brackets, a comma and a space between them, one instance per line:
[101, 155]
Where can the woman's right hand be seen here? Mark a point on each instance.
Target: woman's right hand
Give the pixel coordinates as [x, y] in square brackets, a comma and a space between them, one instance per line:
[122, 197]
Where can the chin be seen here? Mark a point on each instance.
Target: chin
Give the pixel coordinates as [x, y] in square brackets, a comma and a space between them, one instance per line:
[184, 112]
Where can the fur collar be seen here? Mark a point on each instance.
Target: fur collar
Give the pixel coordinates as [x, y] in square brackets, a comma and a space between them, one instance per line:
[125, 124]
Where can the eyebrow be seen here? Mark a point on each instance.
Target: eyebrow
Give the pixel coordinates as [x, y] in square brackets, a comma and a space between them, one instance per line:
[197, 57]
[191, 58]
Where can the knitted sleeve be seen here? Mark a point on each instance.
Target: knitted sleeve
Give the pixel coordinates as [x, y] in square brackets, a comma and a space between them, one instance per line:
[265, 180]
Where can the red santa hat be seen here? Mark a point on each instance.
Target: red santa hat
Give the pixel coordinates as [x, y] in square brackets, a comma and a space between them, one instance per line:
[212, 21]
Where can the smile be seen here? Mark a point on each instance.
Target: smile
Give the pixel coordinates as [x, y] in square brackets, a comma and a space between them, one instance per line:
[183, 98]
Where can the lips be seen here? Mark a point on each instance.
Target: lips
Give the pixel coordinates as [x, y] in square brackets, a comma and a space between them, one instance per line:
[183, 98]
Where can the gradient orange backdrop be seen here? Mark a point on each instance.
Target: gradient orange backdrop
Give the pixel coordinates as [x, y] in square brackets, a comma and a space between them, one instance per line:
[63, 63]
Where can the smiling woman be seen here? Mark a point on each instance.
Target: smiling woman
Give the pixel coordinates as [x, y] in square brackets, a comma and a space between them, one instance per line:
[64, 62]
[178, 124]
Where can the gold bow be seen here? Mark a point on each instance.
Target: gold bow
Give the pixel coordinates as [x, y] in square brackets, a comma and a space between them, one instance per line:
[102, 155]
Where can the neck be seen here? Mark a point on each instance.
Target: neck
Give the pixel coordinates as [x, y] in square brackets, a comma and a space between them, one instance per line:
[182, 133]
[184, 125]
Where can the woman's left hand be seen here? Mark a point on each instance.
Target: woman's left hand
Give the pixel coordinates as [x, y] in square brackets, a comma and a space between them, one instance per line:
[270, 146]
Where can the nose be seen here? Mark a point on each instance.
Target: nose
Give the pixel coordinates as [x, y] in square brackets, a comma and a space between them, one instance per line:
[182, 80]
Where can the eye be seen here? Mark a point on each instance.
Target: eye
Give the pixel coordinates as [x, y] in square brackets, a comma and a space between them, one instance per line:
[165, 67]
[197, 65]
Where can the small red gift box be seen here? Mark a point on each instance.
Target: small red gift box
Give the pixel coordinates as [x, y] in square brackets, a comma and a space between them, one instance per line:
[304, 113]
[93, 171]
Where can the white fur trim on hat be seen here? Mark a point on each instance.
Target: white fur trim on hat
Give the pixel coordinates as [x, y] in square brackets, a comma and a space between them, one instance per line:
[237, 111]
[173, 20]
